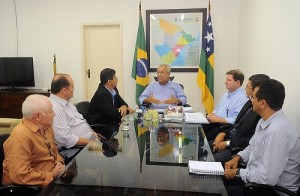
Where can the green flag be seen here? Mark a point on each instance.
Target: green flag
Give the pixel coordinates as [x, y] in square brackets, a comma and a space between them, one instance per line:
[205, 79]
[140, 62]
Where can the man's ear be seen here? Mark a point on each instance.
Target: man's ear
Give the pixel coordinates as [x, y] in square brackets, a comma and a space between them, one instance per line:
[37, 116]
[263, 103]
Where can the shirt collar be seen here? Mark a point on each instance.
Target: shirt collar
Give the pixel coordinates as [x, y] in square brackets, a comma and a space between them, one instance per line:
[266, 123]
[63, 102]
[112, 92]
[230, 94]
[30, 125]
[168, 82]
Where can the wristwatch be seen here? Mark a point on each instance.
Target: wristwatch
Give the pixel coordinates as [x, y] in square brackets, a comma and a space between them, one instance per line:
[237, 174]
[228, 143]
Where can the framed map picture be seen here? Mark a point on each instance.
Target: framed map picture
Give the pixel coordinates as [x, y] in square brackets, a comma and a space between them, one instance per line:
[174, 37]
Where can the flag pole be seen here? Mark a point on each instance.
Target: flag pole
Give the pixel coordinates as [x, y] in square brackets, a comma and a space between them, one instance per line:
[140, 7]
[54, 64]
[141, 159]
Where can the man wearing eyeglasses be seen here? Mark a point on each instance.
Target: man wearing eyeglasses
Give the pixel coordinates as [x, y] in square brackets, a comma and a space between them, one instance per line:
[273, 153]
[240, 133]
[163, 93]
[31, 156]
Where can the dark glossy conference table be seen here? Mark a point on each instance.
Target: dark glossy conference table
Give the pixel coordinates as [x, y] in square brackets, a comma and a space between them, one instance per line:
[146, 163]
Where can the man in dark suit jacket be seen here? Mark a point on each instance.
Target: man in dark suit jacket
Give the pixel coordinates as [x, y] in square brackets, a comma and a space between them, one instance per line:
[238, 135]
[107, 106]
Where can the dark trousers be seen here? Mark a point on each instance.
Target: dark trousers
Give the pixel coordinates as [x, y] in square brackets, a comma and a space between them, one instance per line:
[211, 130]
[222, 156]
[236, 187]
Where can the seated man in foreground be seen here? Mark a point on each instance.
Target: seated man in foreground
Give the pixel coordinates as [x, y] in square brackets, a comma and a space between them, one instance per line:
[239, 135]
[229, 106]
[273, 153]
[31, 156]
[163, 93]
[70, 128]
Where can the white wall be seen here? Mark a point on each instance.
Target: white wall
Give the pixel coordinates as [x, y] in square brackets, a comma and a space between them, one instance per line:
[255, 36]
[270, 44]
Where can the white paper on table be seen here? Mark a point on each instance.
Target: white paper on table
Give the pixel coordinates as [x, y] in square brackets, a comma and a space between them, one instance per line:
[196, 117]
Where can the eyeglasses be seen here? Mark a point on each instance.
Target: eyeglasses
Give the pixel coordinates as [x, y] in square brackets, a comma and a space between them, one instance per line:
[161, 72]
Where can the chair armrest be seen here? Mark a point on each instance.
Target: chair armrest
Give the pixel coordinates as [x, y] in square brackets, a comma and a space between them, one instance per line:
[235, 150]
[98, 125]
[146, 105]
[224, 127]
[251, 187]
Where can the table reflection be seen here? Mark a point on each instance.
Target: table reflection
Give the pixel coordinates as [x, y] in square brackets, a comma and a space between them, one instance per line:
[163, 170]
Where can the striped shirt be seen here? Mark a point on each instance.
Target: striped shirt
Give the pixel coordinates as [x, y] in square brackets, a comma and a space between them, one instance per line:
[68, 124]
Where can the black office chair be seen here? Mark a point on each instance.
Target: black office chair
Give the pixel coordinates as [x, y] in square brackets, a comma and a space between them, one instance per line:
[253, 189]
[83, 108]
[14, 190]
[69, 153]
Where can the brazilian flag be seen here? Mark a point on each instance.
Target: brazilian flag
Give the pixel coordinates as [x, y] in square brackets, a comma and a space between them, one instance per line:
[140, 62]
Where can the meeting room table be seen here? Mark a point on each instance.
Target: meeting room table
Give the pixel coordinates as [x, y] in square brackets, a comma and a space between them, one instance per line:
[142, 159]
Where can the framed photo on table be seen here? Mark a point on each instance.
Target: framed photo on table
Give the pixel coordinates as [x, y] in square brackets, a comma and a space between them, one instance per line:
[174, 37]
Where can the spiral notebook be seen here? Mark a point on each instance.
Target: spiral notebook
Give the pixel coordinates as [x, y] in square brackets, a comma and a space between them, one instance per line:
[206, 168]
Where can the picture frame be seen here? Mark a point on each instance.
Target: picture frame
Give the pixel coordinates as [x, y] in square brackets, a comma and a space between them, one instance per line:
[174, 36]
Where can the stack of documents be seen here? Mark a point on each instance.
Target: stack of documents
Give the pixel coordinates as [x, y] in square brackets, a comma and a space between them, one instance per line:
[196, 117]
[187, 109]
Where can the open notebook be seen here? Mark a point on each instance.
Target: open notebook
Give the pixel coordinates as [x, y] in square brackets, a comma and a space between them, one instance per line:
[206, 168]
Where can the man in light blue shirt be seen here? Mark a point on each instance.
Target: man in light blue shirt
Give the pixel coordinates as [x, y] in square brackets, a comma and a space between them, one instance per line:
[273, 153]
[229, 106]
[163, 93]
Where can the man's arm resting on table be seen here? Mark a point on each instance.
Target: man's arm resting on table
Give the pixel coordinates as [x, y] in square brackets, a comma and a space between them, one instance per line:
[216, 119]
[82, 142]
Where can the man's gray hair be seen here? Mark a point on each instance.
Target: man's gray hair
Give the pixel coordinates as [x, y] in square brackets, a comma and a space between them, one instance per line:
[33, 104]
[168, 67]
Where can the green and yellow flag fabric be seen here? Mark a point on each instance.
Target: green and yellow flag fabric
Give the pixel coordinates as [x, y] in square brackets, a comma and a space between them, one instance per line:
[205, 78]
[140, 61]
[141, 137]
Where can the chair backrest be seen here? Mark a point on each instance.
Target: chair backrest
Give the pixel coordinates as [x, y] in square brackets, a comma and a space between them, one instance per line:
[3, 138]
[83, 108]
[171, 78]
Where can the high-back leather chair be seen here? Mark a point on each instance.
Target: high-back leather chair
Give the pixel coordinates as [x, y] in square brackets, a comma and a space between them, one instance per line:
[83, 108]
[14, 190]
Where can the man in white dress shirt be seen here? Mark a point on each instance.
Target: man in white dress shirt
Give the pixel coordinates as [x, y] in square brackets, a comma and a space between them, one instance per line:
[70, 128]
